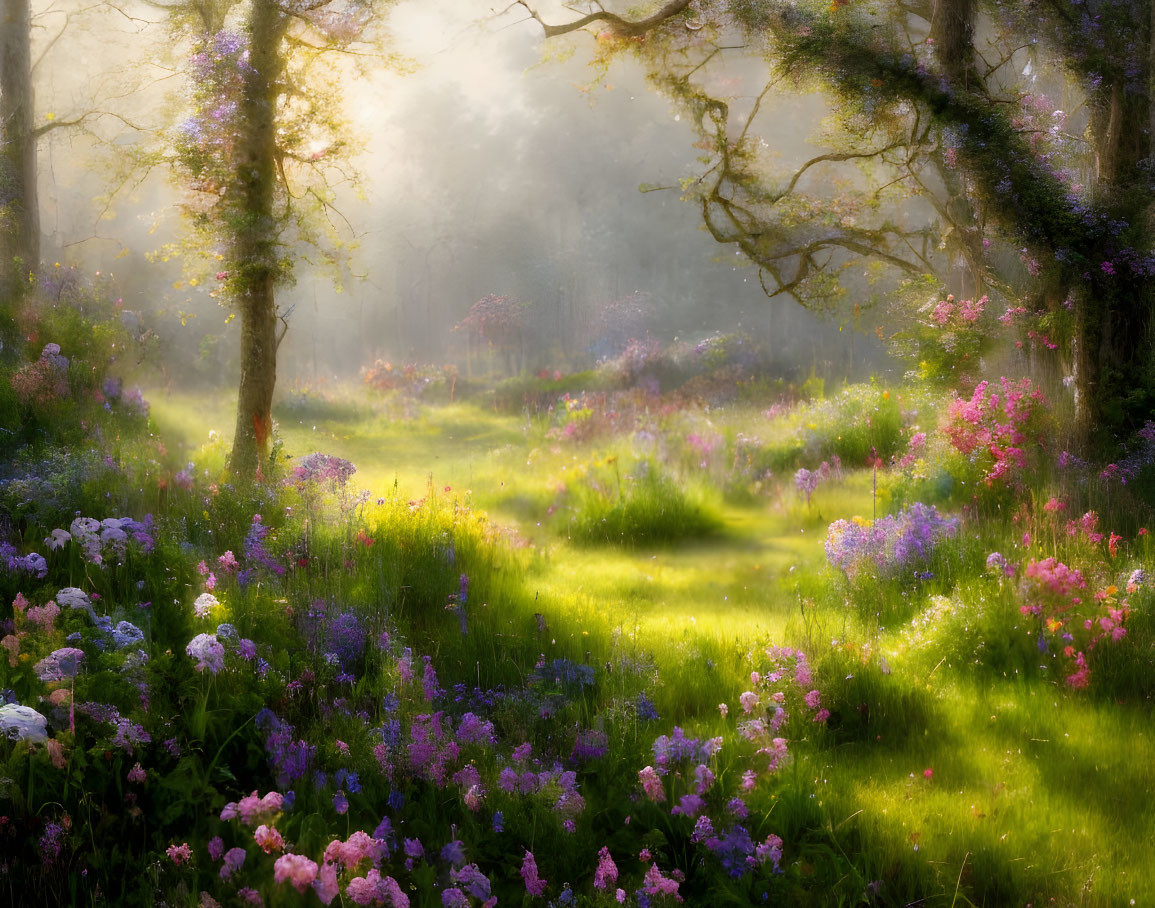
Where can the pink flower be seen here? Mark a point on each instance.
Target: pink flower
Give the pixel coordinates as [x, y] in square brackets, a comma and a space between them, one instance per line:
[137, 774]
[269, 839]
[374, 889]
[607, 872]
[723, 709]
[813, 699]
[228, 563]
[326, 883]
[749, 700]
[296, 869]
[234, 860]
[179, 854]
[252, 809]
[534, 885]
[652, 784]
[928, 773]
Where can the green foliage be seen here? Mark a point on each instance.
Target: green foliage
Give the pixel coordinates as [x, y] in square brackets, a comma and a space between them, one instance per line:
[639, 506]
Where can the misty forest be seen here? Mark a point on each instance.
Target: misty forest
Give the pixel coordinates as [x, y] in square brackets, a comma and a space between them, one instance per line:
[458, 453]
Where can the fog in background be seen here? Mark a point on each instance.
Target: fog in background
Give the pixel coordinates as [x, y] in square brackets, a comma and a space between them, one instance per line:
[488, 169]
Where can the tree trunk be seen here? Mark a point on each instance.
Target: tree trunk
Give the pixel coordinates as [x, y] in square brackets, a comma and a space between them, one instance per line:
[952, 27]
[255, 239]
[20, 224]
[258, 380]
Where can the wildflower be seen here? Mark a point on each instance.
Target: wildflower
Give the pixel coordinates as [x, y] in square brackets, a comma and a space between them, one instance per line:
[50, 843]
[269, 839]
[454, 898]
[126, 634]
[454, 853]
[607, 871]
[295, 869]
[651, 784]
[374, 889]
[723, 709]
[252, 809]
[689, 805]
[204, 604]
[137, 774]
[534, 885]
[498, 822]
[234, 860]
[472, 880]
[325, 885]
[208, 652]
[656, 884]
[770, 850]
[72, 598]
[58, 539]
[179, 854]
[250, 895]
[60, 664]
[748, 700]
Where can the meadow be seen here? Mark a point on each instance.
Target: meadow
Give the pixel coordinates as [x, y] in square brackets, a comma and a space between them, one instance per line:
[658, 633]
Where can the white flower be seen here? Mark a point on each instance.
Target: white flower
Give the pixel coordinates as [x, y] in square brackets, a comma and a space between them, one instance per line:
[23, 723]
[204, 604]
[85, 526]
[71, 597]
[58, 539]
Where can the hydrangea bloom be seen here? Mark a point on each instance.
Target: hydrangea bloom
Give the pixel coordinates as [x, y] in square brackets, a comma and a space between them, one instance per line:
[295, 869]
[23, 723]
[73, 598]
[126, 634]
[208, 652]
[204, 604]
[60, 664]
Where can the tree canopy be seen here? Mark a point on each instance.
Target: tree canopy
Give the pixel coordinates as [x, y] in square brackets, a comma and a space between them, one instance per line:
[1000, 148]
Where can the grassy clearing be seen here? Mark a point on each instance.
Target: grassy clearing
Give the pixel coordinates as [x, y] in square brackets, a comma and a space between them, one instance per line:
[956, 766]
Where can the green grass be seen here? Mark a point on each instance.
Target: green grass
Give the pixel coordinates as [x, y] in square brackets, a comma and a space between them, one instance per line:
[1036, 792]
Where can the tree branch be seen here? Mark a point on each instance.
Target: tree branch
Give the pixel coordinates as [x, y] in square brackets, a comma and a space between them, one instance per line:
[619, 26]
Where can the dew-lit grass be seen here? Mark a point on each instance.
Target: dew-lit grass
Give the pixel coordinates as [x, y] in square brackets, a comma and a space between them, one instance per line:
[953, 765]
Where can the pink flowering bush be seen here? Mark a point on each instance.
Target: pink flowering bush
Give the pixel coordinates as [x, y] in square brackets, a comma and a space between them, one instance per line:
[999, 430]
[945, 340]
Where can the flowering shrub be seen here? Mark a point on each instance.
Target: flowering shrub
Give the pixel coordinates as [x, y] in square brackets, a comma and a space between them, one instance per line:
[945, 340]
[997, 429]
[890, 545]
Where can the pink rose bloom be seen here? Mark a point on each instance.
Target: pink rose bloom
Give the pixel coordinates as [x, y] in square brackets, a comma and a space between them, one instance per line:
[296, 869]
[269, 839]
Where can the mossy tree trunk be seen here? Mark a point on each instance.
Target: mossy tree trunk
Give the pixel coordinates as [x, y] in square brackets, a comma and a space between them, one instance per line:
[255, 238]
[20, 214]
